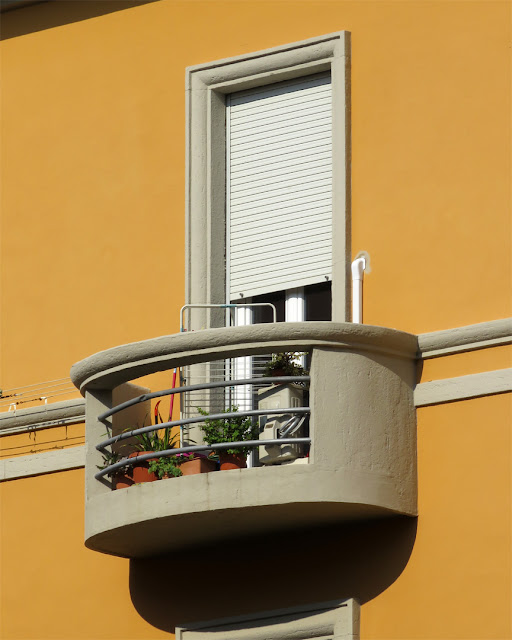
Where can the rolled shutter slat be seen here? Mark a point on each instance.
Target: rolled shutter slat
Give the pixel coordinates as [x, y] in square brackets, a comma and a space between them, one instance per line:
[279, 188]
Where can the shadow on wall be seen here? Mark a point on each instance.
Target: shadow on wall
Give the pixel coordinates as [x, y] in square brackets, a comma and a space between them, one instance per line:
[47, 15]
[257, 574]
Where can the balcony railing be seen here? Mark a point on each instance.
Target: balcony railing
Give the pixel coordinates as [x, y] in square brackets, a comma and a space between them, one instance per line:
[298, 415]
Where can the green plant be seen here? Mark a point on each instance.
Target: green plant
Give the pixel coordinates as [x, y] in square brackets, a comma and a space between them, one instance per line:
[160, 440]
[109, 458]
[285, 364]
[224, 430]
[165, 467]
[156, 440]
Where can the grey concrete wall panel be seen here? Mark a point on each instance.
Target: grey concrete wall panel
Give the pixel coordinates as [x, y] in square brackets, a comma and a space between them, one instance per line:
[362, 462]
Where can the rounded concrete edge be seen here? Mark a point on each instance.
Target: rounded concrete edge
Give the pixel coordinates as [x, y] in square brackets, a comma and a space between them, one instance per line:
[156, 517]
[107, 369]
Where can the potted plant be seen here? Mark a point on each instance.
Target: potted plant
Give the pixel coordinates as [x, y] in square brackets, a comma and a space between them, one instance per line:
[192, 463]
[285, 364]
[152, 442]
[224, 430]
[167, 467]
[122, 478]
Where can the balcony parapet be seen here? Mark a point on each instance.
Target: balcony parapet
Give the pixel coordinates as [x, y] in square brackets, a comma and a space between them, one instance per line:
[110, 368]
[362, 461]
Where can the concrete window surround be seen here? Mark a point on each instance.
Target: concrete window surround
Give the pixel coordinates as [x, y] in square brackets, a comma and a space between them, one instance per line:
[338, 620]
[206, 88]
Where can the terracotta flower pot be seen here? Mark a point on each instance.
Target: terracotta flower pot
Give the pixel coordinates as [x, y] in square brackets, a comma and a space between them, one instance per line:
[140, 470]
[232, 461]
[197, 465]
[122, 481]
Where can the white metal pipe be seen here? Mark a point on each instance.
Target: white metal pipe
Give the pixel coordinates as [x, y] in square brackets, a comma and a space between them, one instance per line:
[295, 311]
[295, 305]
[242, 367]
[358, 268]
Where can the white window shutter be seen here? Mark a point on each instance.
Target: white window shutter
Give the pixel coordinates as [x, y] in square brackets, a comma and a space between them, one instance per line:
[279, 187]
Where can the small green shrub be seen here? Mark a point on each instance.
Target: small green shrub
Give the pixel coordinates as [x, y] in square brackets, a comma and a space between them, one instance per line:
[154, 441]
[167, 466]
[285, 363]
[109, 458]
[223, 430]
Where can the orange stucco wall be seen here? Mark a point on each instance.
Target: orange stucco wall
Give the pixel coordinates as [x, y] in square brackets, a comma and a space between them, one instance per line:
[52, 586]
[455, 585]
[462, 549]
[466, 363]
[93, 163]
[92, 256]
[35, 441]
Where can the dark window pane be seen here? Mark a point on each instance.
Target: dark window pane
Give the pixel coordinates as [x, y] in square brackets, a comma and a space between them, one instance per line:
[318, 301]
[264, 314]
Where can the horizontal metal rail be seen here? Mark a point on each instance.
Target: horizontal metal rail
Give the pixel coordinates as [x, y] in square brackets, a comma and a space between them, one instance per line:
[225, 306]
[197, 448]
[212, 416]
[198, 387]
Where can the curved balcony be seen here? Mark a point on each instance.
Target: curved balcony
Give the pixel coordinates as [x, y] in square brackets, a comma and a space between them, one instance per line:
[362, 430]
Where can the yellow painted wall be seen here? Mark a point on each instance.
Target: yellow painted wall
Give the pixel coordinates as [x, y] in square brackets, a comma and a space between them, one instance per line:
[36, 441]
[52, 587]
[466, 363]
[92, 255]
[457, 584]
[93, 163]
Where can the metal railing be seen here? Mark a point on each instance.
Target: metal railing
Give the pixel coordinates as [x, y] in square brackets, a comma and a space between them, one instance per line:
[197, 448]
[267, 380]
[225, 306]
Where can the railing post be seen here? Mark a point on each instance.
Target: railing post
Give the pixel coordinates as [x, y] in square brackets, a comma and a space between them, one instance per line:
[96, 402]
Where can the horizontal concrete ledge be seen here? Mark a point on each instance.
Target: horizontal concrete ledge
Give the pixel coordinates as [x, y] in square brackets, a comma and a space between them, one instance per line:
[39, 463]
[471, 337]
[182, 532]
[163, 516]
[50, 415]
[463, 388]
[108, 369]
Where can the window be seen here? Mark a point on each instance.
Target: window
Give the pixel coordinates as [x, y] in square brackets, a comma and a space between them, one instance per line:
[223, 97]
[279, 187]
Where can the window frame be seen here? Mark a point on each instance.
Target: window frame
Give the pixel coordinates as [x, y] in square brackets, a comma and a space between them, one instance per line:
[320, 621]
[205, 229]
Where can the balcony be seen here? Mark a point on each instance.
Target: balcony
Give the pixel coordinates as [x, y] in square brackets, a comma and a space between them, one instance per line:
[361, 461]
